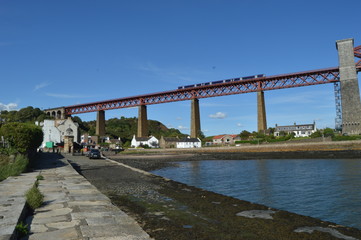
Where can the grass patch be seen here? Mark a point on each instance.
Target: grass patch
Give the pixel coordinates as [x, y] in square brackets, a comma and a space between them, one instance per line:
[34, 198]
[9, 168]
[22, 229]
[40, 177]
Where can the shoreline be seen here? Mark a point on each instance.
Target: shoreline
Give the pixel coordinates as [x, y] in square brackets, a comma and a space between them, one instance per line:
[167, 209]
[157, 159]
[288, 146]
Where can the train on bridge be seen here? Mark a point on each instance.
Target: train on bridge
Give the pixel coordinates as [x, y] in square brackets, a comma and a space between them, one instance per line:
[222, 81]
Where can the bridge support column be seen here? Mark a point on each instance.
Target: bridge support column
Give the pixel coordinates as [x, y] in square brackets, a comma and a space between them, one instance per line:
[100, 124]
[261, 112]
[142, 121]
[350, 93]
[195, 119]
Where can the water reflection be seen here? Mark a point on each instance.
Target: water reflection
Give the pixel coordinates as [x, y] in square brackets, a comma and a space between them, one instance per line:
[264, 182]
[322, 188]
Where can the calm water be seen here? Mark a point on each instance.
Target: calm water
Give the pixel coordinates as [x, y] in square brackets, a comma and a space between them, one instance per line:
[326, 189]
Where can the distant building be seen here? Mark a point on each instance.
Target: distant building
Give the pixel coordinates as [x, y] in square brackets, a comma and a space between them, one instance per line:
[226, 139]
[168, 142]
[88, 140]
[114, 143]
[55, 131]
[189, 142]
[303, 130]
[142, 141]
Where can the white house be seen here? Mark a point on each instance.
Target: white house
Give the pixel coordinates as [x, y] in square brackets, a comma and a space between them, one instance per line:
[51, 133]
[226, 139]
[142, 141]
[55, 130]
[68, 128]
[303, 130]
[189, 142]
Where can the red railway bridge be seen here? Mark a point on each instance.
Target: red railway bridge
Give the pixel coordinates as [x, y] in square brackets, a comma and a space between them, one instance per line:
[344, 77]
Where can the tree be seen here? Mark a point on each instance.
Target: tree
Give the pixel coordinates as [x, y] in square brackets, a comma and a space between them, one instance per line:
[23, 137]
[244, 135]
[328, 132]
[271, 130]
[28, 114]
[316, 134]
[82, 126]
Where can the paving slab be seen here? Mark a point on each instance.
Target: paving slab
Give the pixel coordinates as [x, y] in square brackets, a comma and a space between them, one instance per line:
[12, 201]
[63, 218]
[61, 234]
[75, 209]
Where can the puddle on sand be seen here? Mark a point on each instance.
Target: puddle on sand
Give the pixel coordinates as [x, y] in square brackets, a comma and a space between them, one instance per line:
[187, 226]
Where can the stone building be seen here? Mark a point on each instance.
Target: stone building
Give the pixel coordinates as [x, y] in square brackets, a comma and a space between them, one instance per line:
[226, 139]
[168, 142]
[303, 130]
[114, 143]
[88, 140]
[55, 131]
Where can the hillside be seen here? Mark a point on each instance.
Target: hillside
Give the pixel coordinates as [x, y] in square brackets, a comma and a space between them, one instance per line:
[125, 128]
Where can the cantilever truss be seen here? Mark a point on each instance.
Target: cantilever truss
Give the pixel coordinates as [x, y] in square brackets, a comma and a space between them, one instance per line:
[357, 51]
[322, 76]
[253, 85]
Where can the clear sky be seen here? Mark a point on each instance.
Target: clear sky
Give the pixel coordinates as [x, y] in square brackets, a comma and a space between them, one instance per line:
[60, 53]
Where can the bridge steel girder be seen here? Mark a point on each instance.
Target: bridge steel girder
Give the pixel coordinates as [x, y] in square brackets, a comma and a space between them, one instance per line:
[300, 79]
[308, 78]
[357, 53]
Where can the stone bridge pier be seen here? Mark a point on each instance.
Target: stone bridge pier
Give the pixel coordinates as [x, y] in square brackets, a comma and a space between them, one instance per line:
[142, 121]
[56, 113]
[350, 93]
[195, 119]
[261, 113]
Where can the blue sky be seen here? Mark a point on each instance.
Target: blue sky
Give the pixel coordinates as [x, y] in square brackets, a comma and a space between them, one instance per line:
[60, 53]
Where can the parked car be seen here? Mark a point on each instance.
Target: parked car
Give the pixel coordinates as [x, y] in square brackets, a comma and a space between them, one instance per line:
[94, 153]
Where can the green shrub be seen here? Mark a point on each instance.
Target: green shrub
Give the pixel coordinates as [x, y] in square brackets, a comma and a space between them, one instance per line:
[345, 138]
[23, 137]
[242, 141]
[34, 198]
[22, 229]
[14, 169]
[40, 177]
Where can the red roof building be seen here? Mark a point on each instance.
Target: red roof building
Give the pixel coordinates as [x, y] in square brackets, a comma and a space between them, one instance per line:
[226, 139]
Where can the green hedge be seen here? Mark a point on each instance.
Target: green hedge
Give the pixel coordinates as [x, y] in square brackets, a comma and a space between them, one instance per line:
[22, 137]
[346, 138]
[13, 169]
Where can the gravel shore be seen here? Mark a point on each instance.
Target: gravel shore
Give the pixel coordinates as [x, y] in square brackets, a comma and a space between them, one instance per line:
[170, 210]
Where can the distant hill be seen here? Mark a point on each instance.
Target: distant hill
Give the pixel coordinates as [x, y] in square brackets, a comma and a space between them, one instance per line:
[28, 114]
[125, 128]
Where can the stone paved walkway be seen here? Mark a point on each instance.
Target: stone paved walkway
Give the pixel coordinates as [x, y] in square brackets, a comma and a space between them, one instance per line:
[12, 202]
[75, 209]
